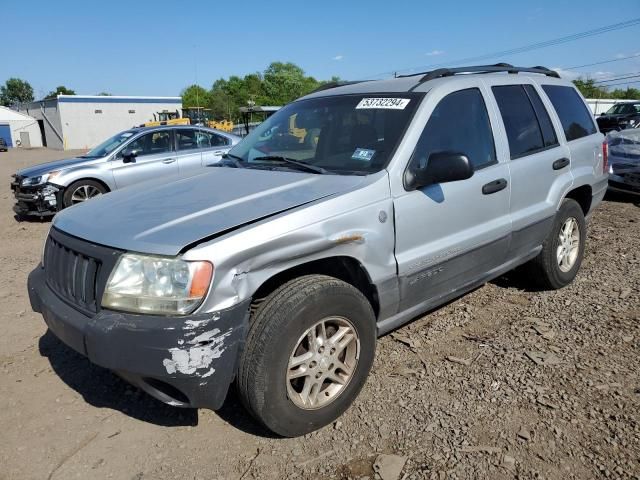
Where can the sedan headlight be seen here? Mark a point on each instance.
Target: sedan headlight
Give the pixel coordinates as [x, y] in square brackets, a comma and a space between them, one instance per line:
[157, 285]
[39, 180]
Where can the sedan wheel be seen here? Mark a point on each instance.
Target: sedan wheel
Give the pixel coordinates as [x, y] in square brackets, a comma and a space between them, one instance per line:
[84, 193]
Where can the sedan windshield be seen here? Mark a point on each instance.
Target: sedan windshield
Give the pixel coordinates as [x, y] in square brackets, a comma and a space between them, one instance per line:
[347, 134]
[624, 108]
[108, 146]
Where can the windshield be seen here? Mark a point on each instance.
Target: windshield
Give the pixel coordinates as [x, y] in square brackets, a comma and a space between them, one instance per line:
[624, 108]
[347, 134]
[108, 146]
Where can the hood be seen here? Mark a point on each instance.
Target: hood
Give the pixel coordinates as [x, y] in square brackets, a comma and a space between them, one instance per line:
[615, 118]
[43, 168]
[164, 216]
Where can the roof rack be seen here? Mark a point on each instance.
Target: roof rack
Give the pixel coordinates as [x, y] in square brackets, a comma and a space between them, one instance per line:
[328, 85]
[498, 67]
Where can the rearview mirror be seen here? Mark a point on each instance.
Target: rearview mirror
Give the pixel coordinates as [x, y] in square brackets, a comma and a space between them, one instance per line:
[129, 155]
[441, 167]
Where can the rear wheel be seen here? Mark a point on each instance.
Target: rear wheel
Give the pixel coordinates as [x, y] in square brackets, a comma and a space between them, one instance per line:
[559, 261]
[308, 353]
[81, 191]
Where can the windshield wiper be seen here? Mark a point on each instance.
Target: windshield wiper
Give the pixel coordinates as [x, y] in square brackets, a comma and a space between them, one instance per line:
[291, 161]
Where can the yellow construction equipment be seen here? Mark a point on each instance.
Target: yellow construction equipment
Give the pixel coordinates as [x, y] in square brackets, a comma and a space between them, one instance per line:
[166, 118]
[203, 116]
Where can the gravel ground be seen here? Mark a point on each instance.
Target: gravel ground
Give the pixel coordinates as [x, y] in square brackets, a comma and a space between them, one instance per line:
[506, 382]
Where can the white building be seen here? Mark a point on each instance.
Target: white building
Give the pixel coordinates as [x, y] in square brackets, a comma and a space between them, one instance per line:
[84, 121]
[19, 129]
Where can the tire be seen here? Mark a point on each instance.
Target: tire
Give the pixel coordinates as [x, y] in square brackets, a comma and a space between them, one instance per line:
[546, 268]
[279, 330]
[74, 192]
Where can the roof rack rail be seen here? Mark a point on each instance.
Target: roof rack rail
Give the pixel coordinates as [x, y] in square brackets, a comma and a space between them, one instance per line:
[498, 67]
[328, 85]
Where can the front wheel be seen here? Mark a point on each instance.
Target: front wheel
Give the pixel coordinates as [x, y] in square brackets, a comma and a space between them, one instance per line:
[309, 350]
[559, 261]
[81, 191]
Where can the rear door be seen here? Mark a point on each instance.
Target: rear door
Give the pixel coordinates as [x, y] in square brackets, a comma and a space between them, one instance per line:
[189, 150]
[213, 147]
[156, 158]
[539, 163]
[449, 235]
[581, 134]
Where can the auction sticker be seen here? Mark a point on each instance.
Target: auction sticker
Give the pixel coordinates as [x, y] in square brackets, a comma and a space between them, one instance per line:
[363, 154]
[388, 103]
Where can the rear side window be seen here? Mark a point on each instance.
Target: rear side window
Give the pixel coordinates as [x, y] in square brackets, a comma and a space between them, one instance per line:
[520, 121]
[459, 123]
[546, 127]
[576, 119]
[187, 139]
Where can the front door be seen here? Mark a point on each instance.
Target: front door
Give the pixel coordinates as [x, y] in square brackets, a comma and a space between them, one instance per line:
[156, 157]
[449, 235]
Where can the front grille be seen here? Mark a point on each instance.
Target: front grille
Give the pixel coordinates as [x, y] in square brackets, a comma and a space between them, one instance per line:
[71, 275]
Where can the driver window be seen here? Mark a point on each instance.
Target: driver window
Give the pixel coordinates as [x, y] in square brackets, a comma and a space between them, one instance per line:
[459, 124]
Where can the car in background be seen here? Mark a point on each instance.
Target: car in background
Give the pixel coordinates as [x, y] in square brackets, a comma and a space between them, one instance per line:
[621, 116]
[3, 145]
[624, 161]
[126, 159]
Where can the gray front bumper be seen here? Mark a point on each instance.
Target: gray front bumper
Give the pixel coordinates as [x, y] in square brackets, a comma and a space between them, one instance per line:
[185, 361]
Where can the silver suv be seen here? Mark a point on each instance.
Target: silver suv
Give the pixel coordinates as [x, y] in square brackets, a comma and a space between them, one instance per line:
[345, 215]
[127, 158]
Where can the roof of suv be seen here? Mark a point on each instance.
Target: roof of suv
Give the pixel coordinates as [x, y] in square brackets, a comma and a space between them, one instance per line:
[417, 81]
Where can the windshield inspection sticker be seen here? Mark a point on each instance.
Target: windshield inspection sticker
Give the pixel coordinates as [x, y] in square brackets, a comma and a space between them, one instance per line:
[388, 103]
[363, 154]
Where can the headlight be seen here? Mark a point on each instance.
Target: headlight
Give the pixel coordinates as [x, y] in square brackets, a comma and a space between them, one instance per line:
[39, 180]
[157, 285]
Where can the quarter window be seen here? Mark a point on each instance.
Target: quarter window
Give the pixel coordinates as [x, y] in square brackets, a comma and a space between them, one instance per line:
[520, 121]
[577, 121]
[460, 124]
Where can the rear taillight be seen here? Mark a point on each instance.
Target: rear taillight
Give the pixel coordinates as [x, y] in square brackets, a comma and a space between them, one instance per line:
[605, 156]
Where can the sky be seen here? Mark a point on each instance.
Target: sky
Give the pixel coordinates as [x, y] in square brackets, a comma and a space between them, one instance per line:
[159, 47]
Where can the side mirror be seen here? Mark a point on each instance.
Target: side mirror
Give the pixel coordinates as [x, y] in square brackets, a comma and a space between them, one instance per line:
[129, 155]
[441, 167]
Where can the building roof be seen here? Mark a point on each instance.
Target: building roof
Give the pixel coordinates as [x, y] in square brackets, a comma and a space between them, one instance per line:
[7, 115]
[116, 99]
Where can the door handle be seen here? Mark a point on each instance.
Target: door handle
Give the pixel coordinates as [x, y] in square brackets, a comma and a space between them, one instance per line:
[219, 152]
[168, 160]
[495, 186]
[561, 163]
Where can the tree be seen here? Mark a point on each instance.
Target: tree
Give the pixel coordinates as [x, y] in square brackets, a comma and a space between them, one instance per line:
[195, 96]
[589, 89]
[105, 94]
[60, 90]
[15, 91]
[284, 82]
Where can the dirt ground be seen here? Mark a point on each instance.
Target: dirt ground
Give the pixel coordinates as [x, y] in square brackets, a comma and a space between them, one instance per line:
[506, 382]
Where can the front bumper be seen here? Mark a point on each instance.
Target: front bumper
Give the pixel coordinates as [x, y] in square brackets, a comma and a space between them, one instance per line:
[41, 200]
[187, 361]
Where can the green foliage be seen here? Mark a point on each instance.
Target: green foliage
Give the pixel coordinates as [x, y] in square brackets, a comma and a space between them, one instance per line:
[15, 91]
[195, 96]
[279, 84]
[60, 90]
[590, 89]
[105, 94]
